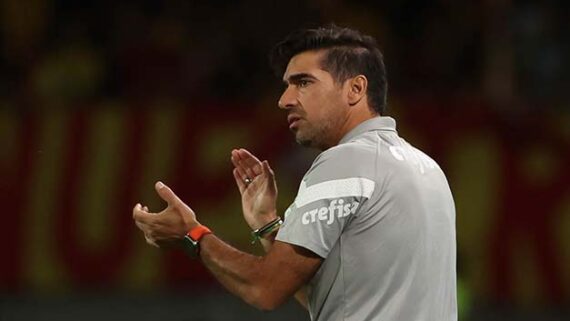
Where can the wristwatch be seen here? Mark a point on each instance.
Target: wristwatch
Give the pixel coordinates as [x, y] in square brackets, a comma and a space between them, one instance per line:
[191, 241]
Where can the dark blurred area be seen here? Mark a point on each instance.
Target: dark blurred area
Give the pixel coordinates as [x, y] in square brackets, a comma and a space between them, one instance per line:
[100, 99]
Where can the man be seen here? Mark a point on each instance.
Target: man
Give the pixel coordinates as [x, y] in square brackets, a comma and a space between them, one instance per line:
[371, 233]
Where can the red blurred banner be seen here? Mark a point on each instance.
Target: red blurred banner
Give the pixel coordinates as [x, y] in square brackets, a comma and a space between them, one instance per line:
[62, 171]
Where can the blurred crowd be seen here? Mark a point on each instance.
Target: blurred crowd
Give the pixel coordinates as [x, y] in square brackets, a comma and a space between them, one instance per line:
[74, 54]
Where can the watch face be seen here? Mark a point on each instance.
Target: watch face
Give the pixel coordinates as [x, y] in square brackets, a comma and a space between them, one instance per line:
[191, 247]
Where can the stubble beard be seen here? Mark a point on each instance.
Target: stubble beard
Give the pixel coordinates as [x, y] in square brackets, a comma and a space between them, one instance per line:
[314, 135]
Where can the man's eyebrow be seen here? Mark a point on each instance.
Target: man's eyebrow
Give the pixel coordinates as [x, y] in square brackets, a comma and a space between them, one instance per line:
[295, 78]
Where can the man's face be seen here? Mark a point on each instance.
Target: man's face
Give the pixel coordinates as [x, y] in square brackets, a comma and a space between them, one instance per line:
[315, 104]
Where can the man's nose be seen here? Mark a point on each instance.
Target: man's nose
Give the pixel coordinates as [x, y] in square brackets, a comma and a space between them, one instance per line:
[288, 99]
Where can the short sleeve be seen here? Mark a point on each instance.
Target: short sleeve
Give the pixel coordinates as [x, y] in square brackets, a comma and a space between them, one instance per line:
[329, 196]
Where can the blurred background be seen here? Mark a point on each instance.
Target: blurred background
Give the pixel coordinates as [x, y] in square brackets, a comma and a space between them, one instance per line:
[99, 99]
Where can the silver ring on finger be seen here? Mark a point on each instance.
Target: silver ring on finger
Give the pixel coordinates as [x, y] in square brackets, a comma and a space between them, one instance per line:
[247, 181]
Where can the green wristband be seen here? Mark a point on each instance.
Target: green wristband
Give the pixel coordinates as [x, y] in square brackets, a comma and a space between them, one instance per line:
[266, 229]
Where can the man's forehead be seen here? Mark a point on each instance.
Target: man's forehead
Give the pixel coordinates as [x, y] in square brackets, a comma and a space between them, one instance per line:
[307, 62]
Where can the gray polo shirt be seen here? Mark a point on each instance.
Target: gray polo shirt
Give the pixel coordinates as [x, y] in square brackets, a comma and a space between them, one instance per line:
[381, 215]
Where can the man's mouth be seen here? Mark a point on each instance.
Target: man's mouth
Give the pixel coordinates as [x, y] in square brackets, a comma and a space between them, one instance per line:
[293, 120]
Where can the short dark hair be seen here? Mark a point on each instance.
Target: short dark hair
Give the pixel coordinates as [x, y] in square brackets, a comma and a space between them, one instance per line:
[348, 54]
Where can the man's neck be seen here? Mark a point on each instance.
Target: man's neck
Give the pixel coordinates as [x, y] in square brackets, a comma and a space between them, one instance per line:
[352, 120]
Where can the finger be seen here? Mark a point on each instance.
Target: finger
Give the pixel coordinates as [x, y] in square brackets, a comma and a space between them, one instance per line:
[142, 226]
[150, 241]
[136, 208]
[141, 216]
[244, 154]
[267, 169]
[240, 165]
[250, 162]
[137, 211]
[146, 232]
[145, 209]
[269, 175]
[235, 158]
[250, 173]
[167, 194]
[239, 181]
[241, 172]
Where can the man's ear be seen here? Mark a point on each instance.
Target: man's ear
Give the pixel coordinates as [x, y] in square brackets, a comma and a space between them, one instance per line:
[357, 87]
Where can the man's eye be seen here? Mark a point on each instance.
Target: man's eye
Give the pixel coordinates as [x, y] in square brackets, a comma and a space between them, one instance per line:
[303, 83]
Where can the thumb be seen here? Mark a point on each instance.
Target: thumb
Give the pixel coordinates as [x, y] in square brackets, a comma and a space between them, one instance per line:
[270, 176]
[166, 194]
[267, 169]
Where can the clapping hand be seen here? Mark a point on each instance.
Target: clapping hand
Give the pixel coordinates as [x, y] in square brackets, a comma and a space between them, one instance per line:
[168, 226]
[256, 183]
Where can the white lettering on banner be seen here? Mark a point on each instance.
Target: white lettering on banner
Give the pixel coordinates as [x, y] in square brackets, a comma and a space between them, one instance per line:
[337, 208]
[347, 187]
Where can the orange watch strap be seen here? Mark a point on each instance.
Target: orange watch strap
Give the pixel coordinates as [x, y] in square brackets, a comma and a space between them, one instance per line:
[198, 232]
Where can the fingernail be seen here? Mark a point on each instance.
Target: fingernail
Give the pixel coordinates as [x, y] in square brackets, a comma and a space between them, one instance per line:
[159, 185]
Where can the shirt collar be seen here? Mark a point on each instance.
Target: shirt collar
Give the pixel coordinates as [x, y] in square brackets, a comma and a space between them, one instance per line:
[376, 123]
